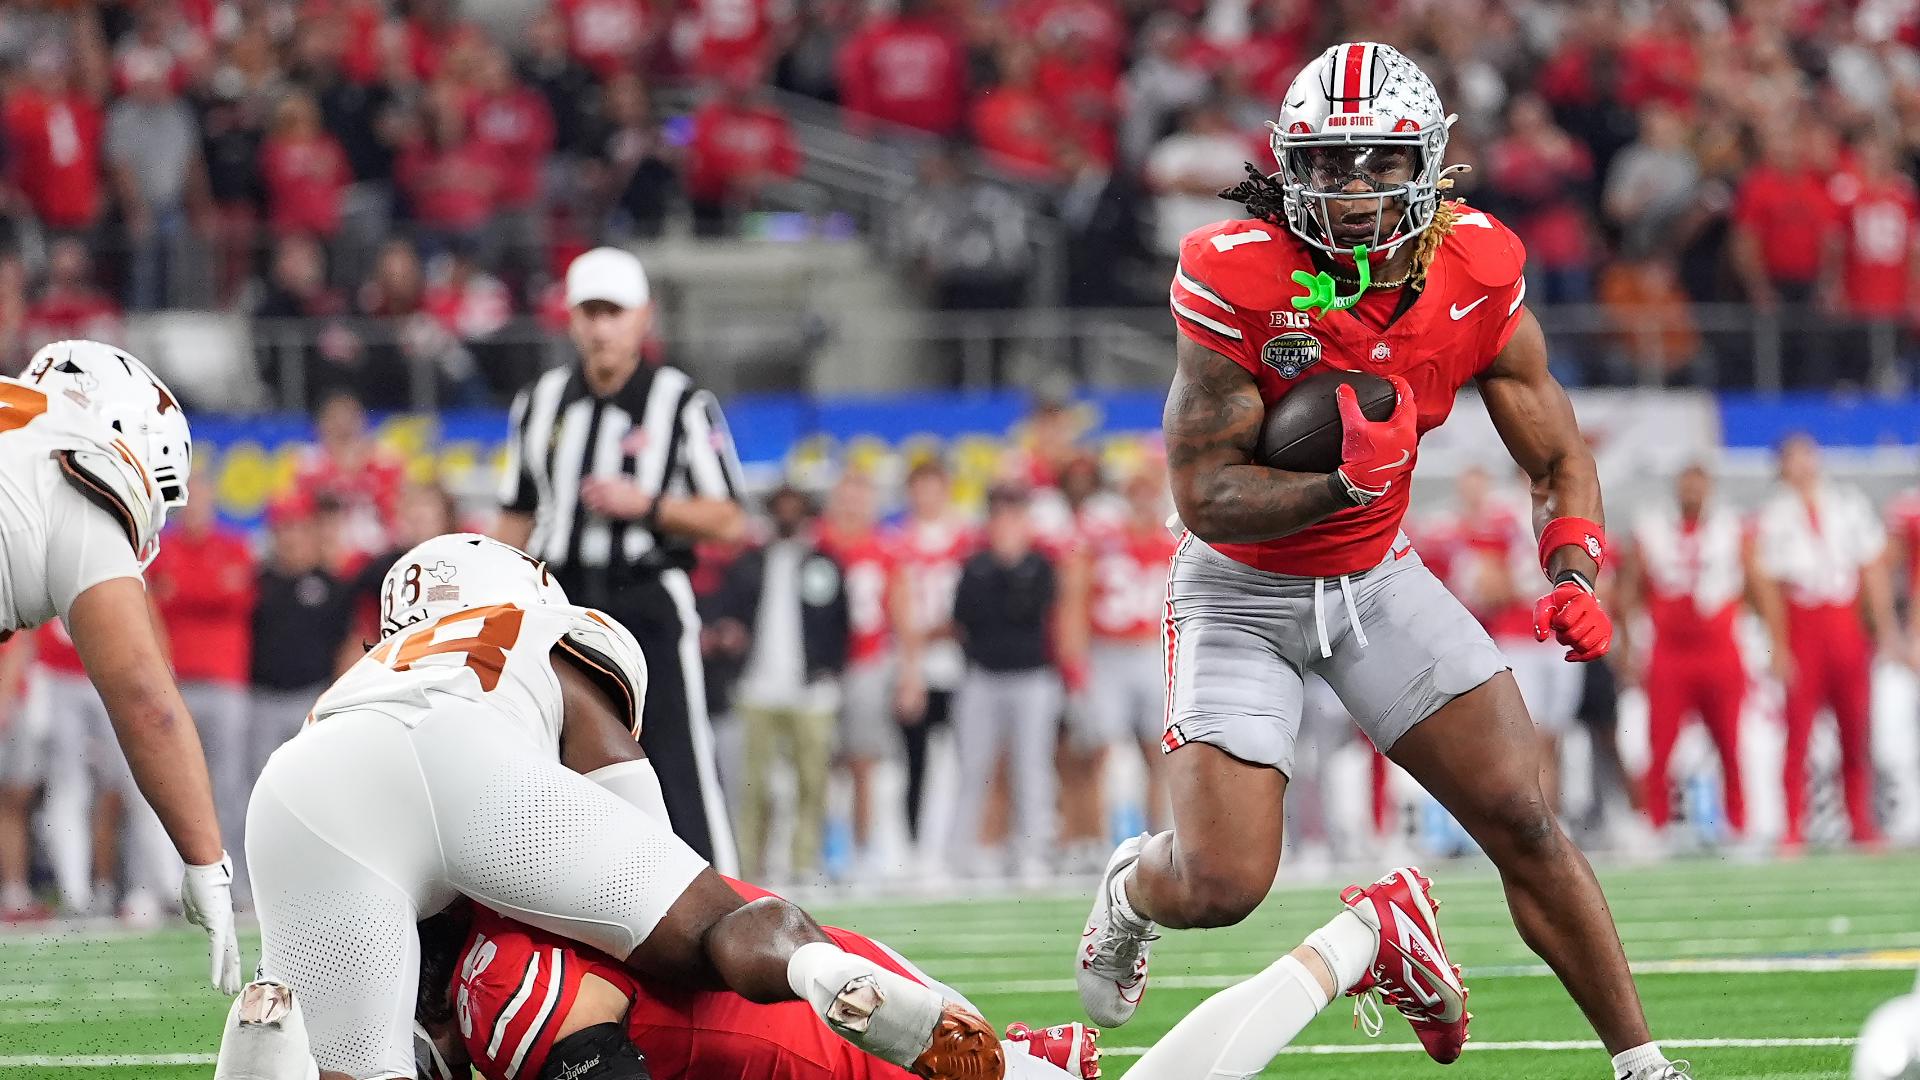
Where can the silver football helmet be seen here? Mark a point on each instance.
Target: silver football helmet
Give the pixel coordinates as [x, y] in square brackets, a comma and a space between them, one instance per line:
[1361, 110]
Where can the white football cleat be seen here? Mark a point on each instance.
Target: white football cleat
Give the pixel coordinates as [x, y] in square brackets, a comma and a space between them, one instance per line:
[1889, 1046]
[266, 1037]
[1112, 965]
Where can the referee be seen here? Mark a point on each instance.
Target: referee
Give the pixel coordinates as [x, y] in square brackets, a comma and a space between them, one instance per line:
[615, 469]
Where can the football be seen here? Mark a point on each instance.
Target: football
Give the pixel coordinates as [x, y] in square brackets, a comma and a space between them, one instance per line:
[1302, 430]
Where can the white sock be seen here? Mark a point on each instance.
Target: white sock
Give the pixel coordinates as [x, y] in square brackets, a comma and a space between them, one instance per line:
[634, 782]
[1630, 1063]
[898, 1031]
[1123, 907]
[1238, 1031]
[1348, 945]
[15, 896]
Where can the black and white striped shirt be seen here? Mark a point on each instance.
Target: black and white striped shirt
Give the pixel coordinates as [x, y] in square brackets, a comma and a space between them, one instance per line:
[658, 430]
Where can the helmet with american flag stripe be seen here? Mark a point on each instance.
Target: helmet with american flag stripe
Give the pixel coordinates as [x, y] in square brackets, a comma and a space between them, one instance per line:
[1361, 110]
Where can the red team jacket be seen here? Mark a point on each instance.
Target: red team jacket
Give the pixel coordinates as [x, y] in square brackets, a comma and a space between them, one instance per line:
[515, 982]
[1233, 294]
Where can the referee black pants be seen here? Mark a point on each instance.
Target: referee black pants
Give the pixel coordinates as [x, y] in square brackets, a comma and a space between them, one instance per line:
[675, 732]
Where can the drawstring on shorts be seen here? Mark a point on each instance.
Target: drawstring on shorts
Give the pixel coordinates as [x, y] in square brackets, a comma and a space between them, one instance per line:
[1320, 614]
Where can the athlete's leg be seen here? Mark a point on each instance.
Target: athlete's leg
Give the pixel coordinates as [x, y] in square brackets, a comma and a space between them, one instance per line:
[1479, 756]
[1722, 691]
[1805, 693]
[1219, 860]
[1668, 697]
[1851, 693]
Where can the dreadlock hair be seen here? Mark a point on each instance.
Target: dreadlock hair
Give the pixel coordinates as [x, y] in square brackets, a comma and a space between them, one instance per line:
[1265, 200]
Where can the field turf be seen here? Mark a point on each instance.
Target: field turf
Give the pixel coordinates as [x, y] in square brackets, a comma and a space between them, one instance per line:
[1756, 971]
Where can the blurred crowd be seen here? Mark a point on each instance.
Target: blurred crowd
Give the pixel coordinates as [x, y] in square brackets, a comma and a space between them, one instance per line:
[427, 167]
[973, 682]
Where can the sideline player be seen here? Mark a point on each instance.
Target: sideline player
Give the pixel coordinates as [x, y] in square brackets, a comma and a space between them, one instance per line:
[94, 453]
[448, 762]
[1690, 563]
[1113, 591]
[1353, 261]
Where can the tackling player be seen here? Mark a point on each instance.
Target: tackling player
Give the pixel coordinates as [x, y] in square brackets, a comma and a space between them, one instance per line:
[1353, 261]
[94, 453]
[448, 762]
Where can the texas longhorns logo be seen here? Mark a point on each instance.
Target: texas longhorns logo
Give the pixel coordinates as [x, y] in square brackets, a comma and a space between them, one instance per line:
[442, 571]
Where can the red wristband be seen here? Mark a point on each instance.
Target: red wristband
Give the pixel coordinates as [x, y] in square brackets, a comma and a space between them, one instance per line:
[1588, 536]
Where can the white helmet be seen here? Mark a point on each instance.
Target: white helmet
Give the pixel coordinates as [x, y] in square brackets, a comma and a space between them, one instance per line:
[149, 426]
[458, 572]
[1357, 111]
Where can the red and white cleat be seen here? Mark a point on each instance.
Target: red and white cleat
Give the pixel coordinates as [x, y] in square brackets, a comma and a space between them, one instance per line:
[1073, 1047]
[1411, 972]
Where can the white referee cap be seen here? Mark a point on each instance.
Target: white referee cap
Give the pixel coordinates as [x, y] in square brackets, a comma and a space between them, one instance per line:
[609, 274]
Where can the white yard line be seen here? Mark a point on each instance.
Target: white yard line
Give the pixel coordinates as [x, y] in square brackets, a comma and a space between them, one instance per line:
[1482, 1047]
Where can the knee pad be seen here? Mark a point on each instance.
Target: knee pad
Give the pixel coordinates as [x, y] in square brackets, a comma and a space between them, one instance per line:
[600, 1052]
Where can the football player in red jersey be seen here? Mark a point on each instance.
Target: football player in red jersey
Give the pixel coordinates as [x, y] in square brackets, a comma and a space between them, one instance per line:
[1352, 260]
[874, 606]
[1113, 593]
[516, 1002]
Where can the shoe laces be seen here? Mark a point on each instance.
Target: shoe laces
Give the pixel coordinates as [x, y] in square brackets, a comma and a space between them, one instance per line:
[1117, 951]
[1681, 1069]
[1368, 1017]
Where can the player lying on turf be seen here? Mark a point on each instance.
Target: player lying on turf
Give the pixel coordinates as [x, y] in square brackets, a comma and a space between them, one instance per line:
[518, 1003]
[1349, 259]
[448, 762]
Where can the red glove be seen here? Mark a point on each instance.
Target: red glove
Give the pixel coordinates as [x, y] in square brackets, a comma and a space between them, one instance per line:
[1373, 454]
[1572, 614]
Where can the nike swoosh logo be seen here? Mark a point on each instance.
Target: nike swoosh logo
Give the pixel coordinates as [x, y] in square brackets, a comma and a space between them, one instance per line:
[1301, 104]
[1404, 456]
[1459, 312]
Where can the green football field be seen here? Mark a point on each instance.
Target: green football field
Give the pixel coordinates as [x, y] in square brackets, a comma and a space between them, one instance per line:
[1755, 971]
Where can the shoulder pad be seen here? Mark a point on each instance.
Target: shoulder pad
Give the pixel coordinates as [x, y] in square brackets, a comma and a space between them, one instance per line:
[117, 484]
[1228, 255]
[610, 656]
[1487, 251]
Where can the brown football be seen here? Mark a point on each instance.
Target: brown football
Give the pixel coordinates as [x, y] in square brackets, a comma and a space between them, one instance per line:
[1302, 430]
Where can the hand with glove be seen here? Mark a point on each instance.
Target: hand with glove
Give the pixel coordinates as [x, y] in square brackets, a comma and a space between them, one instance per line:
[206, 895]
[1572, 614]
[1375, 453]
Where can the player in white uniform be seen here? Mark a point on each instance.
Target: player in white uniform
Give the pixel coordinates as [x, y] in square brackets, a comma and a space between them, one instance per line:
[448, 762]
[94, 453]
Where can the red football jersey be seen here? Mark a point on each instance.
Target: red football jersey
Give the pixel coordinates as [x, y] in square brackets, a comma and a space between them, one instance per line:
[1496, 539]
[867, 566]
[1129, 582]
[514, 983]
[204, 587]
[929, 555]
[1881, 221]
[1233, 293]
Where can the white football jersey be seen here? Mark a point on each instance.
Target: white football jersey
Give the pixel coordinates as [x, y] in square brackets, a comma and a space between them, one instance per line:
[498, 656]
[55, 542]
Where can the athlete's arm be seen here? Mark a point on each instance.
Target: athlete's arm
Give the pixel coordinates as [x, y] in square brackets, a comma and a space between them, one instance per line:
[15, 656]
[910, 686]
[1535, 419]
[1074, 634]
[1627, 596]
[1876, 588]
[596, 742]
[1211, 424]
[113, 630]
[1763, 592]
